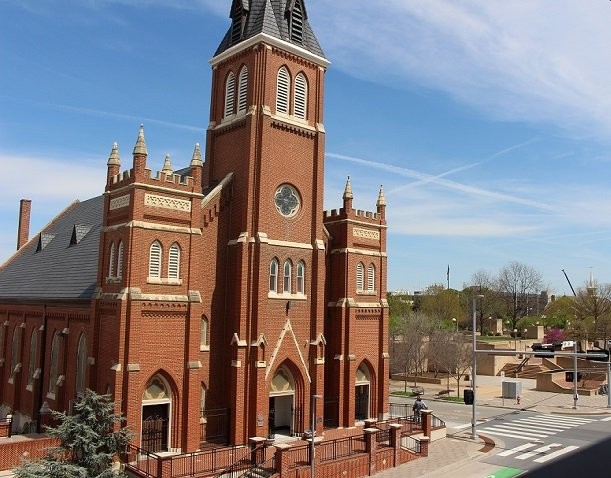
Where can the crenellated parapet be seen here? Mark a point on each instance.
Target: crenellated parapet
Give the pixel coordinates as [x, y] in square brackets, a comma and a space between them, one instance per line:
[186, 180]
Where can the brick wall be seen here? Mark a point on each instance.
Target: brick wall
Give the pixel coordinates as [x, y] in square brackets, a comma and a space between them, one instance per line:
[12, 452]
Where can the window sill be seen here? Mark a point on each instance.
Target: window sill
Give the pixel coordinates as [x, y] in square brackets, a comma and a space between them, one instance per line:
[204, 348]
[367, 292]
[284, 296]
[114, 280]
[51, 395]
[163, 281]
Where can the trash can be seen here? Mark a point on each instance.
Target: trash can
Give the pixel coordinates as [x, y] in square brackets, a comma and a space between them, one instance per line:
[468, 396]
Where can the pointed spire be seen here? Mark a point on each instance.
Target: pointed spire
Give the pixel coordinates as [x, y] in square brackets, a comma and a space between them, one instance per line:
[167, 165]
[348, 190]
[114, 159]
[140, 147]
[196, 160]
[381, 199]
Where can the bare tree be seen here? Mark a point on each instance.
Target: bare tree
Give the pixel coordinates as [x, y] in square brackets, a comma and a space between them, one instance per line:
[482, 284]
[593, 311]
[410, 353]
[516, 283]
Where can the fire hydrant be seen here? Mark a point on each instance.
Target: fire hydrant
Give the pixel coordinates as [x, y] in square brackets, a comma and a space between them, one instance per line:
[518, 400]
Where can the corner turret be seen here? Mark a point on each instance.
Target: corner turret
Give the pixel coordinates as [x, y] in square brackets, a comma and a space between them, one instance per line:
[114, 164]
[140, 154]
[348, 196]
[196, 167]
[167, 165]
[381, 203]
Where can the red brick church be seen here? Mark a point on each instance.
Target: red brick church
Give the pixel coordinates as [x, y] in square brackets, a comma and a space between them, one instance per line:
[215, 300]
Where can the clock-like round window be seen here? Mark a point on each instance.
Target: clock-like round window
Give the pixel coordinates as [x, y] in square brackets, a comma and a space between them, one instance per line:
[287, 200]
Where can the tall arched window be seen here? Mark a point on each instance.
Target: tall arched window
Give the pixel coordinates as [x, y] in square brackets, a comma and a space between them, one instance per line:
[360, 277]
[202, 400]
[111, 265]
[81, 366]
[301, 278]
[229, 94]
[1, 341]
[32, 359]
[53, 368]
[300, 96]
[120, 260]
[273, 275]
[203, 335]
[242, 89]
[15, 348]
[288, 277]
[282, 91]
[155, 260]
[371, 278]
[174, 262]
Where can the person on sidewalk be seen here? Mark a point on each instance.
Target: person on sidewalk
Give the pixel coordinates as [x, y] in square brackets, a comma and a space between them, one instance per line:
[419, 405]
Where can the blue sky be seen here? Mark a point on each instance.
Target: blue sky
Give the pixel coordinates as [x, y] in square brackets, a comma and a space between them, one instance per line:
[488, 123]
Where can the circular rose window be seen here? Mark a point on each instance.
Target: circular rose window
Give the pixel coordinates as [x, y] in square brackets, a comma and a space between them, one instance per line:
[286, 200]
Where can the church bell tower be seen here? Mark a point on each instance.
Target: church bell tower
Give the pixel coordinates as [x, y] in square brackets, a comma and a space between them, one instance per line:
[266, 132]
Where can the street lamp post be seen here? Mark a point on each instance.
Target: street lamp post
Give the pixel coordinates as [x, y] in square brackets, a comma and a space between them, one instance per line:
[515, 339]
[474, 369]
[456, 323]
[313, 432]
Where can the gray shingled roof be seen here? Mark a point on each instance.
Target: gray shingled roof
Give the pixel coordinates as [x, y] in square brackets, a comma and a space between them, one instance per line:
[66, 268]
[268, 16]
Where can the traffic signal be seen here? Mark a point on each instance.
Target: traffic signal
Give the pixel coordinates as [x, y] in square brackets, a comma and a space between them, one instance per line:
[468, 396]
[568, 376]
[603, 355]
[543, 350]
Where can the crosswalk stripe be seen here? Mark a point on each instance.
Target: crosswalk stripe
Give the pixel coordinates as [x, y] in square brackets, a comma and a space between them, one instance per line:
[605, 419]
[527, 427]
[532, 453]
[562, 451]
[566, 418]
[509, 435]
[544, 424]
[517, 449]
[502, 428]
[548, 423]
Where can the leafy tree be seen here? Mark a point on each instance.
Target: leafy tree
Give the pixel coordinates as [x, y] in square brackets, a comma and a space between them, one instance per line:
[554, 335]
[89, 440]
[440, 304]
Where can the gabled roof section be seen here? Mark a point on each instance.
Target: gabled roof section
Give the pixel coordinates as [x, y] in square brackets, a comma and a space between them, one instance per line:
[64, 268]
[273, 18]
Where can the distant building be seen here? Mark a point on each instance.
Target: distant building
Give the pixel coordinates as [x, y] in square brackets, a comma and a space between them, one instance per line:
[211, 301]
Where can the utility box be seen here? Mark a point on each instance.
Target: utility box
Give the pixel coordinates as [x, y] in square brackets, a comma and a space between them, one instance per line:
[512, 389]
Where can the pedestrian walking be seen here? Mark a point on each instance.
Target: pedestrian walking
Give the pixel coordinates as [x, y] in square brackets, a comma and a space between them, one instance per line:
[419, 405]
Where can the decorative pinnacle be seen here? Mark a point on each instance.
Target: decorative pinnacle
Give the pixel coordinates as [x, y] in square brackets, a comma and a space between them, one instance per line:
[381, 199]
[167, 165]
[348, 190]
[140, 147]
[196, 160]
[114, 159]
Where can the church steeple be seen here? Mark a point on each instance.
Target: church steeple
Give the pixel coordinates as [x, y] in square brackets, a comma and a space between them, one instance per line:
[285, 20]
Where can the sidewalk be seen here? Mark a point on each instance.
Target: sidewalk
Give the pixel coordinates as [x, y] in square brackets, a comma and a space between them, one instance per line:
[451, 456]
[489, 393]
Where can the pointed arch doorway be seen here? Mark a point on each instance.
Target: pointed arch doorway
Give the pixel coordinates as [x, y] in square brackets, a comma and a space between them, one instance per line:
[156, 415]
[282, 403]
[362, 388]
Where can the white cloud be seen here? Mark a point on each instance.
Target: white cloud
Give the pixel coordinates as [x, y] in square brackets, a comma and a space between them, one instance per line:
[542, 61]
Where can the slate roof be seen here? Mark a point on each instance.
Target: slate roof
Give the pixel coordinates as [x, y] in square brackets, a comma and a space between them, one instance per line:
[66, 268]
[268, 16]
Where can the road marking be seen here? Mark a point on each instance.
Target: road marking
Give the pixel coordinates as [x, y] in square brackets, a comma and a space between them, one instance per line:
[605, 419]
[509, 435]
[542, 449]
[566, 418]
[517, 449]
[503, 428]
[545, 458]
